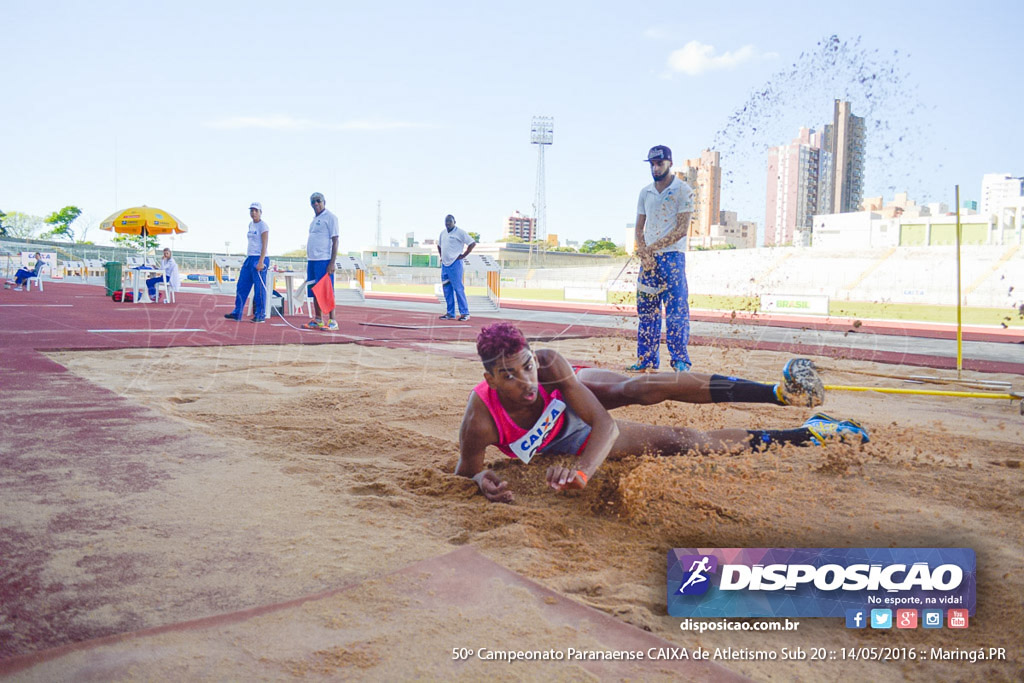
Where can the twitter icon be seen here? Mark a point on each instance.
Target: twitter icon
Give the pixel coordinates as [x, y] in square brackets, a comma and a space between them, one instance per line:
[881, 618]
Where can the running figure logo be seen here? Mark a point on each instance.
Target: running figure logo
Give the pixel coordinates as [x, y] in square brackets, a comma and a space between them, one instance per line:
[696, 580]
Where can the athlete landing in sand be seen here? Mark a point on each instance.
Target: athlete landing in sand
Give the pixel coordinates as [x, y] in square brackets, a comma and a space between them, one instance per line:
[565, 411]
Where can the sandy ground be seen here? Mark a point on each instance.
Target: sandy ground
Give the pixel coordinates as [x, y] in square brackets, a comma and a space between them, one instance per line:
[338, 468]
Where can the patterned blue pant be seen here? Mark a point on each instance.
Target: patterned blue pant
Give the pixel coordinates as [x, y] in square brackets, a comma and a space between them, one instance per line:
[665, 285]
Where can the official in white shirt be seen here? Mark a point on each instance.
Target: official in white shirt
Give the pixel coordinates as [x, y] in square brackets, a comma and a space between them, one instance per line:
[450, 247]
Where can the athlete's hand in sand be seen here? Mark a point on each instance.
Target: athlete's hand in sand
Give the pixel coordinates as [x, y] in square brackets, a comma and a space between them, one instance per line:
[493, 488]
[564, 479]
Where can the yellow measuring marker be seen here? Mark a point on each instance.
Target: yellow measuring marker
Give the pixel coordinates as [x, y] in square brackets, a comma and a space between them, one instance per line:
[1011, 396]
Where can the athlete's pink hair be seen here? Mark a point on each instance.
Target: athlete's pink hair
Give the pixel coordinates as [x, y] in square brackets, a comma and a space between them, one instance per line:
[497, 340]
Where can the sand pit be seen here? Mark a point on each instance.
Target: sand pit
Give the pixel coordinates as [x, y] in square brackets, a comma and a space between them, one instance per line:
[334, 465]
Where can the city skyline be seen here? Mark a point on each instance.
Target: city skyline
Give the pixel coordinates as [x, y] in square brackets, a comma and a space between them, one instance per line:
[820, 172]
[213, 106]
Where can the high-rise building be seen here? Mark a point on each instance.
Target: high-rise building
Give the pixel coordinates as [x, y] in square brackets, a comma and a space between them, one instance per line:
[518, 225]
[817, 173]
[996, 189]
[795, 188]
[844, 139]
[704, 175]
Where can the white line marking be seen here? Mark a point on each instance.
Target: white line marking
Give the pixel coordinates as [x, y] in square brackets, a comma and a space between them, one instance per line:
[182, 329]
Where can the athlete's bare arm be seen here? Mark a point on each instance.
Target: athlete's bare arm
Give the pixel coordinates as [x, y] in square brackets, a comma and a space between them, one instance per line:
[554, 372]
[477, 432]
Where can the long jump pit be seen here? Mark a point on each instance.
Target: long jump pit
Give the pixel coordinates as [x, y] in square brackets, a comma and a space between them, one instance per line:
[269, 512]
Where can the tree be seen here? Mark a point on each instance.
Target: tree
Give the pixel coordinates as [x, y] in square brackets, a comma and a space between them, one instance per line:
[602, 246]
[82, 225]
[475, 236]
[22, 225]
[3, 230]
[61, 222]
[138, 242]
[511, 240]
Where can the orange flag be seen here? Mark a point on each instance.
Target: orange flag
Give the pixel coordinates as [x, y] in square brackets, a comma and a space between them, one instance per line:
[324, 293]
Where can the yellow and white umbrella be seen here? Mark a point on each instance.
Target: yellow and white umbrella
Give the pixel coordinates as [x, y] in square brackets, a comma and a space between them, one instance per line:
[143, 220]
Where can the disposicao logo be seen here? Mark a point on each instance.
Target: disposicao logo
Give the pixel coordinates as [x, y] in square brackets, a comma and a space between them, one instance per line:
[696, 581]
[817, 582]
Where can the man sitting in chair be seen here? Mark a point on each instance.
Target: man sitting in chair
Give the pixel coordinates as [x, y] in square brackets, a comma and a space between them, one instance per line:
[23, 274]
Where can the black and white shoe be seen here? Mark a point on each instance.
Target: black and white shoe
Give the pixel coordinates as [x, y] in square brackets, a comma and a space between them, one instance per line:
[801, 385]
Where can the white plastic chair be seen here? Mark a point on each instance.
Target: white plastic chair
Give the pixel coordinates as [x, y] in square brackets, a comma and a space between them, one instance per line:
[165, 286]
[38, 279]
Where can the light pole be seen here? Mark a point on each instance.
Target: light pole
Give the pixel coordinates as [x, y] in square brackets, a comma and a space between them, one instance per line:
[542, 133]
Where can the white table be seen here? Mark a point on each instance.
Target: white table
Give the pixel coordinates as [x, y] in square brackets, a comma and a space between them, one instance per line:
[139, 277]
[289, 286]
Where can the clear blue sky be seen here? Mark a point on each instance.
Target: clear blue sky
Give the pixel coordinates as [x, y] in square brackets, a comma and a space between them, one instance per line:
[201, 108]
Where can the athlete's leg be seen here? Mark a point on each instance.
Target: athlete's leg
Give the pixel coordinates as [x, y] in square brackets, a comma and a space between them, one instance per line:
[615, 390]
[636, 438]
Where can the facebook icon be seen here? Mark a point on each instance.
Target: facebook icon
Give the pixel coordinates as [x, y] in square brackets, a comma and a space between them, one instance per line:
[856, 618]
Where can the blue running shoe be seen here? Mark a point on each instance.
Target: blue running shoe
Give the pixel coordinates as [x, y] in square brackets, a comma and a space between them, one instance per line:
[641, 366]
[801, 385]
[823, 427]
[681, 366]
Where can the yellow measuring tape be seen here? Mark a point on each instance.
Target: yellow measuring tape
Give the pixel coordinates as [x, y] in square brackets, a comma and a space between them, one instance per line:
[929, 392]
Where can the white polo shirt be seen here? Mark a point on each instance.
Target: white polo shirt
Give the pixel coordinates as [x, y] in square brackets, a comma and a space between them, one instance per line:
[453, 243]
[321, 230]
[254, 242]
[661, 209]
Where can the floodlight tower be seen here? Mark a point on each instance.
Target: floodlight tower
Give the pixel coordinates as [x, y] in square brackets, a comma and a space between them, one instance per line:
[379, 238]
[542, 133]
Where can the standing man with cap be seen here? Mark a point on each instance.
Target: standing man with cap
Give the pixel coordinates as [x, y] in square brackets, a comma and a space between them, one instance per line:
[321, 252]
[449, 247]
[662, 222]
[253, 275]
